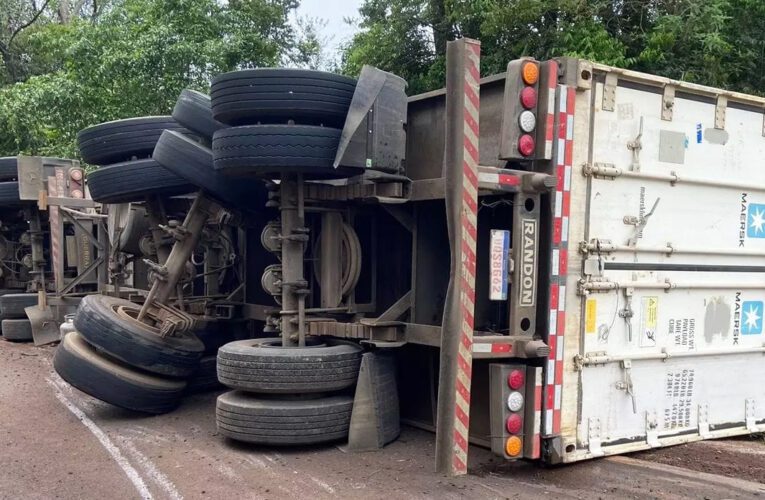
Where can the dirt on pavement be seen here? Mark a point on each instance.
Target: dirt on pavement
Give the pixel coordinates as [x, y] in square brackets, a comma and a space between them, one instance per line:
[56, 442]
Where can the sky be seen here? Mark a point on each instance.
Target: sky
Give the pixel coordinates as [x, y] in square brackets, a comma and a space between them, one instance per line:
[332, 11]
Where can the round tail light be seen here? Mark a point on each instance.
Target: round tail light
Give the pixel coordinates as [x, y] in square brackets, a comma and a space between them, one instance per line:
[513, 446]
[514, 401]
[514, 423]
[526, 145]
[515, 379]
[528, 97]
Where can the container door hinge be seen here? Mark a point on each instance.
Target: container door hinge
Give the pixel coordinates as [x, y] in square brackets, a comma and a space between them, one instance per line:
[626, 384]
[668, 103]
[651, 430]
[720, 108]
[751, 421]
[609, 91]
[593, 437]
[704, 421]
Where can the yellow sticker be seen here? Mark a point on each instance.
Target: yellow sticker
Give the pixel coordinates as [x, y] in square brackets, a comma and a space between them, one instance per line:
[648, 321]
[590, 316]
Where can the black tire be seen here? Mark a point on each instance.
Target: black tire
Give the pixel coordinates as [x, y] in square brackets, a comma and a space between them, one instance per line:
[205, 378]
[274, 95]
[193, 111]
[194, 163]
[250, 418]
[78, 363]
[9, 193]
[123, 140]
[263, 365]
[8, 168]
[17, 329]
[134, 228]
[134, 181]
[134, 343]
[271, 150]
[12, 305]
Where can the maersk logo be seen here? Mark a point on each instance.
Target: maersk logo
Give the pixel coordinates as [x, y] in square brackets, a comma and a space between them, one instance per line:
[755, 221]
[752, 323]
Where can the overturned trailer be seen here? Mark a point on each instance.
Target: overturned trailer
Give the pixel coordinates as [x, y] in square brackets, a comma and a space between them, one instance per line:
[552, 258]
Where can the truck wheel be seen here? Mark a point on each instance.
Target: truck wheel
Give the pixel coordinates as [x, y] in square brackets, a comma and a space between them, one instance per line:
[8, 168]
[122, 140]
[109, 324]
[135, 225]
[9, 193]
[193, 111]
[12, 305]
[194, 163]
[16, 329]
[271, 95]
[271, 150]
[205, 378]
[134, 181]
[254, 419]
[263, 365]
[106, 379]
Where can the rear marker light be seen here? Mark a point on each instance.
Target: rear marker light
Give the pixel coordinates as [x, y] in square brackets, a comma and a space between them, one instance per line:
[513, 446]
[528, 97]
[527, 121]
[514, 401]
[76, 193]
[526, 145]
[515, 379]
[530, 73]
[514, 423]
[75, 174]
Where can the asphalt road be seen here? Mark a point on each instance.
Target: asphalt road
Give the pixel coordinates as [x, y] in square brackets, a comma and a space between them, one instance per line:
[56, 442]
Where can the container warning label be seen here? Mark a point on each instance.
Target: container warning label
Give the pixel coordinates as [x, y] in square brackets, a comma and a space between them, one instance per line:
[590, 315]
[648, 321]
[682, 332]
[679, 396]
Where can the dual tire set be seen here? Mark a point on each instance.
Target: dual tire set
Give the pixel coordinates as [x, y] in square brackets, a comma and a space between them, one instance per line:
[286, 395]
[14, 325]
[113, 357]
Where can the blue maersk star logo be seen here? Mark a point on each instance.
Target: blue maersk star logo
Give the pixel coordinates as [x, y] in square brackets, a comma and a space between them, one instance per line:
[755, 221]
[751, 323]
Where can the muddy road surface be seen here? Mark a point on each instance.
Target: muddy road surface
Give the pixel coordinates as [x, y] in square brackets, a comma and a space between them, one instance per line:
[56, 442]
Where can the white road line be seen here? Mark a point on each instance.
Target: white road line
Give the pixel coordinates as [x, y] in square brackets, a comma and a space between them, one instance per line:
[151, 469]
[110, 447]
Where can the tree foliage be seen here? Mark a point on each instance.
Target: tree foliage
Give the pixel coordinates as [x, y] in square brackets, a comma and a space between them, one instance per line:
[714, 42]
[132, 58]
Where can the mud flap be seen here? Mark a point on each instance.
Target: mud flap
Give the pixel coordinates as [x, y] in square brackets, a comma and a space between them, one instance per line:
[375, 418]
[45, 328]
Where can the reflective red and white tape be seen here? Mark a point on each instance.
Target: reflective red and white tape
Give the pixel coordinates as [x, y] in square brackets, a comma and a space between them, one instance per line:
[536, 441]
[552, 83]
[563, 159]
[468, 224]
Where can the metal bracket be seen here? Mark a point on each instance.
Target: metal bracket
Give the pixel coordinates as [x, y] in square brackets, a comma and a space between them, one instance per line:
[703, 418]
[751, 422]
[635, 145]
[593, 437]
[720, 107]
[626, 385]
[609, 91]
[639, 223]
[668, 103]
[652, 430]
[627, 313]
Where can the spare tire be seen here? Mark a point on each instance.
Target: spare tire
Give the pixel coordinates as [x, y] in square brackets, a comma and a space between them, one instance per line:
[90, 371]
[108, 323]
[16, 329]
[255, 419]
[134, 181]
[193, 111]
[12, 305]
[9, 169]
[194, 163]
[276, 95]
[123, 140]
[9, 193]
[272, 150]
[263, 365]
